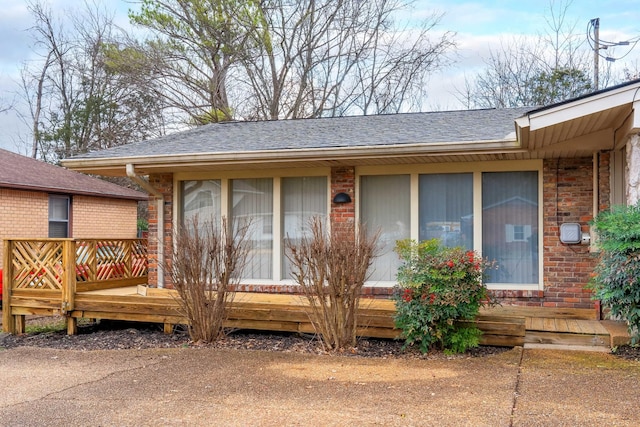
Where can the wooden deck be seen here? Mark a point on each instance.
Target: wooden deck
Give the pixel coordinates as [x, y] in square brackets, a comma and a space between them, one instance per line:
[106, 279]
[501, 326]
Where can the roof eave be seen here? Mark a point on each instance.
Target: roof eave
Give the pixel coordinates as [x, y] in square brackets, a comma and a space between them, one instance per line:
[75, 192]
[563, 112]
[113, 164]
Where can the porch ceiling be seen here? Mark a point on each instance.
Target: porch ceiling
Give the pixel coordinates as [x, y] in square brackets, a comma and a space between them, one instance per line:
[601, 121]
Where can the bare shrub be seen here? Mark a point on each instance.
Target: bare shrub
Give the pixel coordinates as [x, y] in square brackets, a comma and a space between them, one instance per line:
[207, 262]
[332, 268]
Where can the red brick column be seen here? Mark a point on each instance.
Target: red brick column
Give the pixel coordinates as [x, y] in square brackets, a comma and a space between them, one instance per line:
[568, 197]
[343, 215]
[164, 184]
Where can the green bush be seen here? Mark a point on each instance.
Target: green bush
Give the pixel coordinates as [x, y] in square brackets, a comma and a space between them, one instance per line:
[616, 280]
[437, 287]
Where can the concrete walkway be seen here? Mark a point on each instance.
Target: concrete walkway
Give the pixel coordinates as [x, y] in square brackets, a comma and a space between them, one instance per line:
[208, 387]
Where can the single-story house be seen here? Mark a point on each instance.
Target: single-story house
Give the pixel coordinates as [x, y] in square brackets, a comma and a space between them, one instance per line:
[40, 200]
[519, 185]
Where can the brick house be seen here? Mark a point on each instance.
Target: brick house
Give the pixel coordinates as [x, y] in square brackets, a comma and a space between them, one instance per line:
[519, 185]
[40, 200]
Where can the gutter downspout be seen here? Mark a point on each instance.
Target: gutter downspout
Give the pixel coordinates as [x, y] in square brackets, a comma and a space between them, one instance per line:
[131, 173]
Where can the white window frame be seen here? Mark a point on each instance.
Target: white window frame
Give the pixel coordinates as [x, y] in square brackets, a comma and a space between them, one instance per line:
[225, 209]
[477, 168]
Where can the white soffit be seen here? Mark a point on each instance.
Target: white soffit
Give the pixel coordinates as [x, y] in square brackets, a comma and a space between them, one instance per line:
[581, 108]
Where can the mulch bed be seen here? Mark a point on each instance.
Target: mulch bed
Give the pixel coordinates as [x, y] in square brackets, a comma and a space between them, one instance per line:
[120, 335]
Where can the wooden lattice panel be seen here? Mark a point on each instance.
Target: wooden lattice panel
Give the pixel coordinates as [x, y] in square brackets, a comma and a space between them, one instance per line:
[139, 260]
[37, 264]
[104, 260]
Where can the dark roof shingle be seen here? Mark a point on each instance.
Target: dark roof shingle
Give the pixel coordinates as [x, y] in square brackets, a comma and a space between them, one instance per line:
[351, 131]
[25, 173]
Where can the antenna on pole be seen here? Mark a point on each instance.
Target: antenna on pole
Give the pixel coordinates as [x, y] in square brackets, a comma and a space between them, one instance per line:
[597, 45]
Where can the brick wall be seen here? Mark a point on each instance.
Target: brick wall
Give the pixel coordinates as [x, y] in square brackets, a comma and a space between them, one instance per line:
[98, 217]
[23, 214]
[164, 184]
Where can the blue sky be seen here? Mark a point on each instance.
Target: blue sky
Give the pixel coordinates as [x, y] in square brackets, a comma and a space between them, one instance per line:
[480, 25]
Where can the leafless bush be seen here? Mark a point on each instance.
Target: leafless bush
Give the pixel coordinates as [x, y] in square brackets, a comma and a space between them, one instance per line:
[207, 262]
[332, 268]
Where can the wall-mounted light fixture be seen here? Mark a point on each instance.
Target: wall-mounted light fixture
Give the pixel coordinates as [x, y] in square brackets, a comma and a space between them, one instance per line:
[342, 198]
[571, 234]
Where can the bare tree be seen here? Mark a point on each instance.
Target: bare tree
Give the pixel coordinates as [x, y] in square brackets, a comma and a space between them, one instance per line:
[327, 58]
[278, 59]
[549, 68]
[78, 102]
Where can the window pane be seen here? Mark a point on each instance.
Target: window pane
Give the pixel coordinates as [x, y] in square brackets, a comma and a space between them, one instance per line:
[201, 199]
[58, 217]
[302, 199]
[59, 208]
[252, 200]
[510, 225]
[446, 208]
[385, 206]
[58, 230]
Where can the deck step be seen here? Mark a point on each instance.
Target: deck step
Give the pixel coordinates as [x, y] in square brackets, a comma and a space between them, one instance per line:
[560, 331]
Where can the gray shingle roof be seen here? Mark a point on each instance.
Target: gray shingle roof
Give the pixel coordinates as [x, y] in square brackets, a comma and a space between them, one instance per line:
[25, 173]
[338, 132]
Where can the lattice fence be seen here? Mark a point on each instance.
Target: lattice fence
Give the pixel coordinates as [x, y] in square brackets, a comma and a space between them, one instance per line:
[40, 263]
[37, 264]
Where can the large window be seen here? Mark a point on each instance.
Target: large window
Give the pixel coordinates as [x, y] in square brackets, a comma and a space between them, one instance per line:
[495, 213]
[275, 209]
[252, 202]
[446, 208]
[510, 225]
[385, 206]
[59, 207]
[303, 198]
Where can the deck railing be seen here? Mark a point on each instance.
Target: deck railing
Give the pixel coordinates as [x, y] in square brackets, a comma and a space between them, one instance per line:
[47, 273]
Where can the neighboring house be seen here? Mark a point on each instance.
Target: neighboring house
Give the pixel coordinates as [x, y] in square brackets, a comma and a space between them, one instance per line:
[502, 182]
[40, 200]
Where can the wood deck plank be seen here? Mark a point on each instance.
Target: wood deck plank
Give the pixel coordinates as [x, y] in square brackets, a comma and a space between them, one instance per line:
[561, 325]
[549, 324]
[574, 327]
[592, 327]
[537, 324]
[552, 312]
